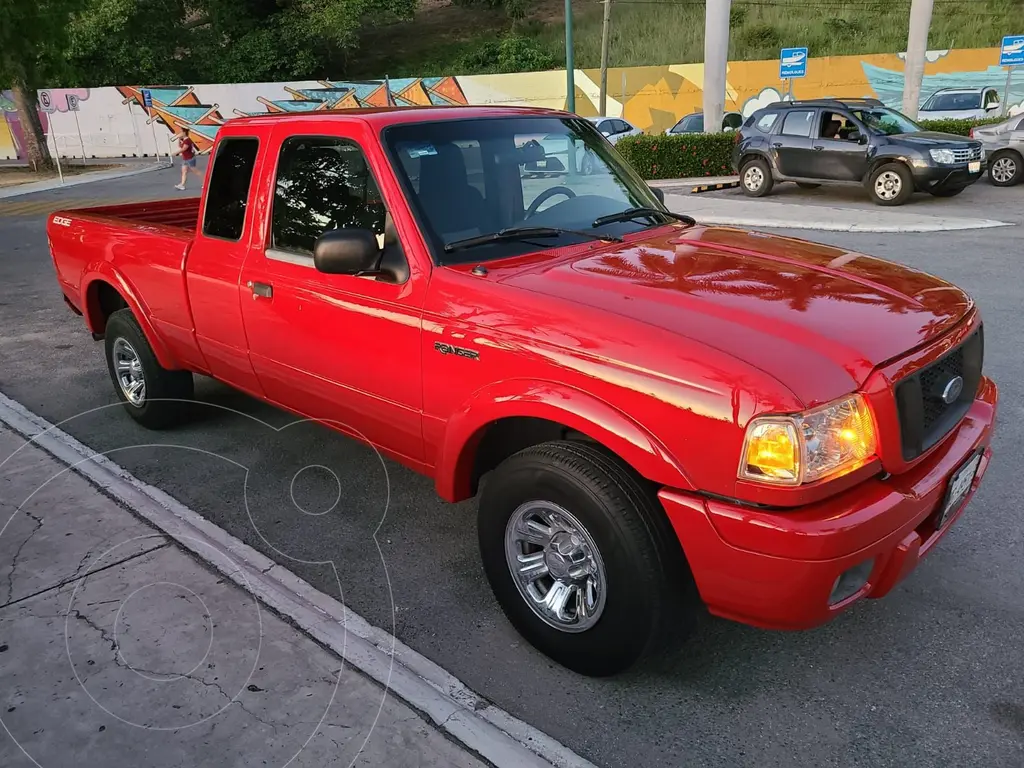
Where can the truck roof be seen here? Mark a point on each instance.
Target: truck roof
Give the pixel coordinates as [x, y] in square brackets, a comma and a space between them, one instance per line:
[384, 116]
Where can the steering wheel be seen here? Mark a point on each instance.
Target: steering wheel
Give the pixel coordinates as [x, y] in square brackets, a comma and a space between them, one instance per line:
[546, 195]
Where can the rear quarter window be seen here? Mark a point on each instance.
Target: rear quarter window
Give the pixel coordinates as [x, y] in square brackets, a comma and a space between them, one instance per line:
[227, 193]
[766, 122]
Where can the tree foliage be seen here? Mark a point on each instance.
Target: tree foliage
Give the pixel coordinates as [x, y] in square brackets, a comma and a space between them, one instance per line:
[165, 41]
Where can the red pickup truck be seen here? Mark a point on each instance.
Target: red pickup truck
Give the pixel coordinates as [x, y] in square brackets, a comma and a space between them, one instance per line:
[660, 417]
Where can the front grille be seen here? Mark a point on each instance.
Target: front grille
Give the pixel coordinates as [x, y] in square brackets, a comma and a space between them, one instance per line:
[967, 153]
[925, 417]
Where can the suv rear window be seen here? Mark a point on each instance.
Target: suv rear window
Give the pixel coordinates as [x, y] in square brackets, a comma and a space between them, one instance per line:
[766, 121]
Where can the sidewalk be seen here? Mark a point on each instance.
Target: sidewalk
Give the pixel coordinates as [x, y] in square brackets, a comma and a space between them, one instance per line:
[126, 167]
[117, 648]
[737, 211]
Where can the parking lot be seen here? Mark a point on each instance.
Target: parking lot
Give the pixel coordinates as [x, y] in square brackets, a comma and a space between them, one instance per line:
[929, 676]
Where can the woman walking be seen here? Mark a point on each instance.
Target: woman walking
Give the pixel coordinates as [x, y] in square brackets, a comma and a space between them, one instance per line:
[187, 150]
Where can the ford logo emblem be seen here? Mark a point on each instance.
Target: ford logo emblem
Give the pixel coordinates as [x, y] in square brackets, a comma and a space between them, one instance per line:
[951, 393]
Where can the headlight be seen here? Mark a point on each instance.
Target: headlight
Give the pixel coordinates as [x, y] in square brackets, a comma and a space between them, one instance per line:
[943, 156]
[825, 442]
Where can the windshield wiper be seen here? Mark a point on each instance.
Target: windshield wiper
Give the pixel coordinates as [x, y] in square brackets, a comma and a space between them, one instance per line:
[635, 213]
[524, 233]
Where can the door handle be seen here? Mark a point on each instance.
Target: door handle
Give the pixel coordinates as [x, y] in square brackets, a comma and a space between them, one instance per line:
[260, 290]
[777, 145]
[818, 147]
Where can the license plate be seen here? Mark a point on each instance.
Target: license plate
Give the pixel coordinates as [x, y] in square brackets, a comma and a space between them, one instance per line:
[974, 166]
[959, 486]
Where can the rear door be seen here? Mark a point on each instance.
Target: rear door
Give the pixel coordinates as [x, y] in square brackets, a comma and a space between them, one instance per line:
[215, 261]
[835, 156]
[791, 144]
[335, 347]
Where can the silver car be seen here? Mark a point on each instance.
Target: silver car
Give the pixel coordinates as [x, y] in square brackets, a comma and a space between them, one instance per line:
[1004, 147]
[961, 104]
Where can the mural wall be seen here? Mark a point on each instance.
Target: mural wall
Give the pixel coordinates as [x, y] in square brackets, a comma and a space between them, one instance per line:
[115, 122]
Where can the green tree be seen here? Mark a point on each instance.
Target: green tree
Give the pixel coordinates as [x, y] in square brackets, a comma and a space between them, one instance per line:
[33, 45]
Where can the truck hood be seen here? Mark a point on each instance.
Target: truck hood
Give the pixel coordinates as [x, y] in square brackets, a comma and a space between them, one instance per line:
[780, 304]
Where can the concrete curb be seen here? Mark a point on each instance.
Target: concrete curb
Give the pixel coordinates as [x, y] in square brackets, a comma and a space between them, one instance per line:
[54, 184]
[488, 731]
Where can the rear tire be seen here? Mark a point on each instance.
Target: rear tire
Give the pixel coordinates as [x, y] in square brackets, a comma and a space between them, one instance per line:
[756, 178]
[1005, 168]
[891, 184]
[597, 536]
[152, 395]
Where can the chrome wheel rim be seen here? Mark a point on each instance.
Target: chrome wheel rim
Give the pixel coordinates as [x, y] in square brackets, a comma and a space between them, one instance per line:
[753, 178]
[130, 377]
[888, 185]
[1004, 169]
[556, 566]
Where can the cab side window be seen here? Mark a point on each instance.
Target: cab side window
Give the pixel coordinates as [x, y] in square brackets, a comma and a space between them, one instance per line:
[323, 183]
[798, 123]
[228, 191]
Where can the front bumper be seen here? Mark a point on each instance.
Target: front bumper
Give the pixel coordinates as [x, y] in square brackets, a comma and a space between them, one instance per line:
[777, 570]
[946, 176]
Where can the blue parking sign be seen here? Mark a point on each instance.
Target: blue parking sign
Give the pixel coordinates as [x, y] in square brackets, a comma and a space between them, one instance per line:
[1011, 52]
[792, 63]
[147, 98]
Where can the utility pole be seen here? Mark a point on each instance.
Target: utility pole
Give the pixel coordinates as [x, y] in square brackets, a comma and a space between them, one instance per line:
[716, 60]
[570, 63]
[917, 46]
[605, 33]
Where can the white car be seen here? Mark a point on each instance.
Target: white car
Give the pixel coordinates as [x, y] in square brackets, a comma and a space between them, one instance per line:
[694, 123]
[614, 128]
[1004, 146]
[961, 104]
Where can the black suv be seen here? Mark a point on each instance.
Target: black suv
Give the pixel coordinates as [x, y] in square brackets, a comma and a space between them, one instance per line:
[852, 141]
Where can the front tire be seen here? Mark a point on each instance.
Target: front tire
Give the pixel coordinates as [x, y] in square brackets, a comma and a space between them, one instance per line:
[582, 558]
[1005, 168]
[152, 395]
[756, 178]
[891, 184]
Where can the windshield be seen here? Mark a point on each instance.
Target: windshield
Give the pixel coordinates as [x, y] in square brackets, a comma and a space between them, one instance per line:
[467, 178]
[887, 121]
[953, 102]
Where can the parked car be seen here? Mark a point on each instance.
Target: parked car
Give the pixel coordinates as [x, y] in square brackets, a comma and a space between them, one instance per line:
[1004, 146]
[694, 123]
[614, 128]
[960, 104]
[658, 417]
[852, 141]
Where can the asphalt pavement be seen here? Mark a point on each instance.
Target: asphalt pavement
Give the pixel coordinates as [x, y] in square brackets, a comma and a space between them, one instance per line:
[929, 676]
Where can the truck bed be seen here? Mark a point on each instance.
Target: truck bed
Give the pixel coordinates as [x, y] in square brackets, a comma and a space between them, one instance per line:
[180, 213]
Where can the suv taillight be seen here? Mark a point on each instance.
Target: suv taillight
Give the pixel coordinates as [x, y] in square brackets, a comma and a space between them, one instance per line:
[736, 139]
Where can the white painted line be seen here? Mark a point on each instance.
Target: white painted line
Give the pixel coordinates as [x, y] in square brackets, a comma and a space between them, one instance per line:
[483, 728]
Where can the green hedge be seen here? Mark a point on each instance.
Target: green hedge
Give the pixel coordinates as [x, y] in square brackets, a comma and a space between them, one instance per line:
[959, 127]
[678, 157]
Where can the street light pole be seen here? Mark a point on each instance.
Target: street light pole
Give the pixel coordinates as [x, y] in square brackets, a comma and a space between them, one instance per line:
[570, 64]
[716, 60]
[917, 47]
[605, 33]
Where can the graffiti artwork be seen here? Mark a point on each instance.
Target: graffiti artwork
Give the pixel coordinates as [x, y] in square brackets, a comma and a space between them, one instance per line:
[652, 98]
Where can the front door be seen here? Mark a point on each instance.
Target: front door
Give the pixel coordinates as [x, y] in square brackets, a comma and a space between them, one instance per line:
[837, 153]
[334, 347]
[791, 146]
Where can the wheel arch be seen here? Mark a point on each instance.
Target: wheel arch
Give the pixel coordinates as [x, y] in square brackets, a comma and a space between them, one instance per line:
[512, 415]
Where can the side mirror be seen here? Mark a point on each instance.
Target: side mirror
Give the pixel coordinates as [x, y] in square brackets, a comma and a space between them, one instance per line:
[859, 137]
[659, 193]
[346, 252]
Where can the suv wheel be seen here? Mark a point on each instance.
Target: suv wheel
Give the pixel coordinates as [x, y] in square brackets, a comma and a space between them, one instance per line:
[582, 558]
[756, 178]
[1005, 168]
[891, 184]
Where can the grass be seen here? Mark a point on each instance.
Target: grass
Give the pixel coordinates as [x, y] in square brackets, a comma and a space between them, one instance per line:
[646, 32]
